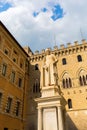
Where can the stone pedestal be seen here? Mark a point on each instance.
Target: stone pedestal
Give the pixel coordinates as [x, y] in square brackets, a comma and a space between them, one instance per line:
[50, 109]
[50, 91]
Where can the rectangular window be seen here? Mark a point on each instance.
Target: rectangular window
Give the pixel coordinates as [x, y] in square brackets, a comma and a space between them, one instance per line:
[15, 52]
[17, 108]
[6, 51]
[21, 65]
[19, 82]
[64, 61]
[0, 98]
[9, 102]
[12, 76]
[14, 59]
[4, 68]
[5, 128]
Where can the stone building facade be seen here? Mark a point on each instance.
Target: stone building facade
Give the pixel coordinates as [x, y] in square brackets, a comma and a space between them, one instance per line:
[13, 82]
[72, 82]
[72, 79]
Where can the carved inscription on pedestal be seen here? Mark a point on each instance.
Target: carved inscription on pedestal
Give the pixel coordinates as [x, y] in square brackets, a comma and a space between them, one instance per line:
[50, 119]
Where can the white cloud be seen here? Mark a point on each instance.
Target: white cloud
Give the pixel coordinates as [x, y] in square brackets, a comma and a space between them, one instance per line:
[39, 32]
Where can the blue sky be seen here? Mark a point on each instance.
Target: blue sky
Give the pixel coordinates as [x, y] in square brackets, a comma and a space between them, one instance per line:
[57, 12]
[4, 6]
[42, 24]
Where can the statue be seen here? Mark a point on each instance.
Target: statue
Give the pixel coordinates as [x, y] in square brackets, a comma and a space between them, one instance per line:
[50, 69]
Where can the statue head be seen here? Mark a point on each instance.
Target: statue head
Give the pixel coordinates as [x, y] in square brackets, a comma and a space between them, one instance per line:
[47, 51]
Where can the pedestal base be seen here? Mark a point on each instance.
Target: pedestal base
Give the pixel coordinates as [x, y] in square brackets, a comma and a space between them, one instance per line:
[50, 113]
[50, 91]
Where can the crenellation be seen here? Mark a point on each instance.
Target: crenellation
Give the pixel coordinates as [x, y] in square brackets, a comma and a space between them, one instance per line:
[62, 52]
[76, 48]
[37, 57]
[55, 47]
[84, 41]
[66, 51]
[73, 50]
[28, 50]
[76, 43]
[59, 53]
[42, 51]
[62, 46]
[69, 44]
[36, 52]
[81, 48]
[49, 48]
[70, 49]
[85, 47]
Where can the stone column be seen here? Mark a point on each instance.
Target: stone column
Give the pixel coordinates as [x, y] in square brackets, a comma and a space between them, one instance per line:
[60, 118]
[39, 118]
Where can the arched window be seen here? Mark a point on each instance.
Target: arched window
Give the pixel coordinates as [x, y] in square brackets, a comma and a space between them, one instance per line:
[69, 103]
[80, 79]
[84, 80]
[64, 84]
[67, 85]
[79, 58]
[86, 77]
[36, 67]
[64, 61]
[83, 77]
[66, 81]
[36, 86]
[70, 83]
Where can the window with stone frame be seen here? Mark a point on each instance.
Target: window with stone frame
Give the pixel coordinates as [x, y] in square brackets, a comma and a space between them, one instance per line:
[4, 69]
[7, 48]
[15, 58]
[64, 61]
[21, 63]
[36, 67]
[83, 78]
[66, 81]
[17, 108]
[69, 103]
[13, 76]
[79, 58]
[0, 99]
[6, 51]
[9, 103]
[19, 82]
[36, 86]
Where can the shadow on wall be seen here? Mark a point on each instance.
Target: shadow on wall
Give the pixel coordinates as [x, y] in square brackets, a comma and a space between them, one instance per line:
[33, 92]
[35, 77]
[31, 127]
[70, 124]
